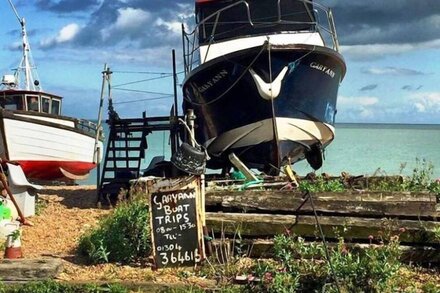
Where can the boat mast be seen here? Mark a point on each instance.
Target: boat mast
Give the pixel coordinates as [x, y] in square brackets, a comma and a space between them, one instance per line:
[30, 79]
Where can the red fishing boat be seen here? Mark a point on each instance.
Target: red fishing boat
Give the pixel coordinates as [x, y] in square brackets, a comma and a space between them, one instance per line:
[33, 131]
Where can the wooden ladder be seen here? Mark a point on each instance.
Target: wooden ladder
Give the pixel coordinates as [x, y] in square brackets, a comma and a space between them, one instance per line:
[126, 148]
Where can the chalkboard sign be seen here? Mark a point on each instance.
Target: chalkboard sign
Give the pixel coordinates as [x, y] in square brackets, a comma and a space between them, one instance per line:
[175, 226]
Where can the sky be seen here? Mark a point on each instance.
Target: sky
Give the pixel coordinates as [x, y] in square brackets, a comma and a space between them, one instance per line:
[392, 51]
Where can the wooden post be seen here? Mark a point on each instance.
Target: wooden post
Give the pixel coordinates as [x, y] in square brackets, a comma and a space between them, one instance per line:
[97, 150]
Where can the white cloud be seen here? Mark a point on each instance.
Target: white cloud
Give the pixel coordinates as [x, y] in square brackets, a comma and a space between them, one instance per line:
[157, 56]
[366, 113]
[362, 108]
[377, 51]
[428, 102]
[357, 101]
[173, 26]
[131, 18]
[66, 34]
[187, 11]
[389, 70]
[411, 108]
[15, 46]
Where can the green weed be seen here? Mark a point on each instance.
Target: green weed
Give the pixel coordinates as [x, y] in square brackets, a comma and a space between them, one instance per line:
[40, 205]
[430, 287]
[123, 236]
[196, 289]
[436, 232]
[321, 185]
[50, 286]
[421, 175]
[419, 180]
[302, 267]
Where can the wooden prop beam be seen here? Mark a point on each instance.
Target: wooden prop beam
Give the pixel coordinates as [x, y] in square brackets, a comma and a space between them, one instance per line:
[266, 225]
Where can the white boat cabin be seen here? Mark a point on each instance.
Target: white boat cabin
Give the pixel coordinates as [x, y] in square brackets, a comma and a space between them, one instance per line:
[227, 26]
[30, 101]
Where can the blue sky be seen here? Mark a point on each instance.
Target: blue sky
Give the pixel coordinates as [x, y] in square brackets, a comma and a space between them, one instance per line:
[392, 50]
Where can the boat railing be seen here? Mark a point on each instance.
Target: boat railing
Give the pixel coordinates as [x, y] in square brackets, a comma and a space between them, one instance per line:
[321, 22]
[87, 126]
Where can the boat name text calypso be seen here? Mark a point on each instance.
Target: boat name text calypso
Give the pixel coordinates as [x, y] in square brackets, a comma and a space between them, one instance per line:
[323, 68]
[213, 81]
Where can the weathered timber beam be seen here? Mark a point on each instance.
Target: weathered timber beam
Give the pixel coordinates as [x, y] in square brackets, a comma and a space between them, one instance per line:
[265, 225]
[376, 204]
[343, 195]
[263, 248]
[20, 270]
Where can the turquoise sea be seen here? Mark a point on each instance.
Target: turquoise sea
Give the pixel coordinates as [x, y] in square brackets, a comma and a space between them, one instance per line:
[359, 149]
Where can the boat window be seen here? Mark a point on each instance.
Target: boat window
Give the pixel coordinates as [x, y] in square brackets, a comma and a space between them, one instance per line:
[56, 106]
[231, 22]
[45, 104]
[13, 102]
[32, 103]
[234, 22]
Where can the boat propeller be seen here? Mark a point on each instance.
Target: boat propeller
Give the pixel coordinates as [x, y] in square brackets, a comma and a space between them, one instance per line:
[314, 156]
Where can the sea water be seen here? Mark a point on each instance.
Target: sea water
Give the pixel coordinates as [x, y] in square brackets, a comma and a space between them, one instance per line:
[381, 149]
[359, 149]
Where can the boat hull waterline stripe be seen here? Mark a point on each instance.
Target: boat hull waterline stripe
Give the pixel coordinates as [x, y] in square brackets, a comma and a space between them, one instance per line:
[288, 129]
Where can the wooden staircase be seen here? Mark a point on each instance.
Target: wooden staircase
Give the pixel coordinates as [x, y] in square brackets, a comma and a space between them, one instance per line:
[126, 147]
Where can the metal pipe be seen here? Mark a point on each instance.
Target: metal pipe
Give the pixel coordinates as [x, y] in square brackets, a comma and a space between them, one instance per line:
[175, 83]
[183, 48]
[190, 121]
[333, 29]
[175, 122]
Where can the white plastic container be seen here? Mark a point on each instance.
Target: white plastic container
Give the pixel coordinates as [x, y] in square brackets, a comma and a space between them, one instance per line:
[7, 227]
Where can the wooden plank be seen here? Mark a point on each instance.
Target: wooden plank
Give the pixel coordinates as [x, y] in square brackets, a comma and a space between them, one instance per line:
[378, 204]
[29, 269]
[141, 120]
[136, 139]
[263, 248]
[123, 159]
[126, 148]
[344, 195]
[265, 225]
[138, 128]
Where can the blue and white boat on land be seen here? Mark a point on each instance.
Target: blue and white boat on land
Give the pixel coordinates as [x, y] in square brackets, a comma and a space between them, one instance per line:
[263, 78]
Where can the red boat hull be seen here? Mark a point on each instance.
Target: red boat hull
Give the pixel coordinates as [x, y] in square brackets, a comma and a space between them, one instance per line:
[51, 170]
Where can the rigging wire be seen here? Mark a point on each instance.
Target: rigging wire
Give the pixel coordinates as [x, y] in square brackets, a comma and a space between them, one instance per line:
[146, 72]
[143, 80]
[141, 91]
[142, 100]
[15, 11]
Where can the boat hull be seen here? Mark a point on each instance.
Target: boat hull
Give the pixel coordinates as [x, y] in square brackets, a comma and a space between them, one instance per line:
[47, 148]
[270, 105]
